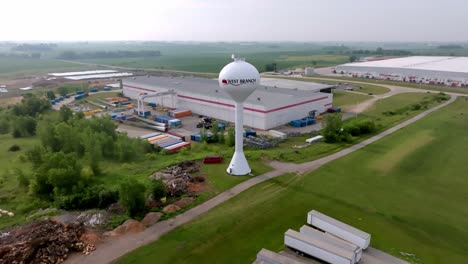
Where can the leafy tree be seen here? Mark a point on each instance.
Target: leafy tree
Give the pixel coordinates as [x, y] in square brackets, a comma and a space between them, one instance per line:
[333, 128]
[158, 190]
[65, 113]
[50, 95]
[30, 105]
[60, 171]
[379, 51]
[23, 126]
[62, 90]
[352, 58]
[270, 67]
[231, 139]
[132, 196]
[4, 125]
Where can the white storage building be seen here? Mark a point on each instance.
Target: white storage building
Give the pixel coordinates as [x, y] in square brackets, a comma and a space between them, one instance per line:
[275, 102]
[440, 70]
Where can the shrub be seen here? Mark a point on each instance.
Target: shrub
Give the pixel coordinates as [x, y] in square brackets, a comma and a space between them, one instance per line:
[158, 190]
[14, 148]
[132, 196]
[93, 197]
[353, 130]
[23, 180]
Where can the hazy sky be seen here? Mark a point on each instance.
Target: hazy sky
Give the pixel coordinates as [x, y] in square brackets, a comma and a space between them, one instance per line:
[235, 20]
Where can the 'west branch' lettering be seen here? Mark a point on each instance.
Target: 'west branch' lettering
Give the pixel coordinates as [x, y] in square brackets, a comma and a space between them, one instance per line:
[241, 81]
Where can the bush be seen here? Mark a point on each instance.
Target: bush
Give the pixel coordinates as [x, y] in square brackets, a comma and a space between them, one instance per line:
[415, 107]
[14, 148]
[132, 196]
[23, 180]
[158, 190]
[94, 197]
[353, 130]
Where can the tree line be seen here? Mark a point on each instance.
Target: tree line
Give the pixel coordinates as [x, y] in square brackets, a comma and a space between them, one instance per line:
[72, 55]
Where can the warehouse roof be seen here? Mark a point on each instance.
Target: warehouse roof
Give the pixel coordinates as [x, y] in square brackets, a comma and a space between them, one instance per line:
[293, 84]
[429, 63]
[269, 97]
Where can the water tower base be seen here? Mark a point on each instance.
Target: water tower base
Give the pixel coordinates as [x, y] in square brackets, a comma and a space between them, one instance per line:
[238, 165]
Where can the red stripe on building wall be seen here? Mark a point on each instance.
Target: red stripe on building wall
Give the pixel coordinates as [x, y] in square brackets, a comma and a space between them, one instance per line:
[328, 104]
[246, 108]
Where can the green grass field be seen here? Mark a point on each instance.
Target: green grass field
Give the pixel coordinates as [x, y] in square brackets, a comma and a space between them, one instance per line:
[344, 98]
[396, 83]
[408, 190]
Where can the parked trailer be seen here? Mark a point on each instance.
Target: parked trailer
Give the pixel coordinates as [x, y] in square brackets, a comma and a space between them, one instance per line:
[339, 229]
[266, 256]
[277, 134]
[178, 146]
[317, 248]
[150, 121]
[331, 239]
[149, 135]
[314, 139]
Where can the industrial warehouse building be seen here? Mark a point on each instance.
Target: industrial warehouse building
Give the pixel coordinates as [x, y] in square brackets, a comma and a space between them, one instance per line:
[275, 102]
[425, 69]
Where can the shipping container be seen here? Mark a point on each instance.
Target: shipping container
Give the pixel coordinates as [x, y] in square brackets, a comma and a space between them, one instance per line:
[331, 239]
[212, 159]
[107, 88]
[317, 248]
[266, 256]
[152, 104]
[94, 90]
[177, 147]
[249, 132]
[338, 229]
[80, 92]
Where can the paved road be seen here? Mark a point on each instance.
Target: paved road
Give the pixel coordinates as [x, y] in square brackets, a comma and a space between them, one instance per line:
[114, 248]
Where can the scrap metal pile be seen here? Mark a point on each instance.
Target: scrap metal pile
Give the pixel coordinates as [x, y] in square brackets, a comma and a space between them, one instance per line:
[262, 142]
[41, 242]
[178, 177]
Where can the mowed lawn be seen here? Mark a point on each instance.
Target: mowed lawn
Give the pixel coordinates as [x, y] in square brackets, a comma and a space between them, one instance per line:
[409, 190]
[344, 98]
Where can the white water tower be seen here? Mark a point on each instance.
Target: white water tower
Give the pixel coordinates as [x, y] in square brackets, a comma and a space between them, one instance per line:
[239, 79]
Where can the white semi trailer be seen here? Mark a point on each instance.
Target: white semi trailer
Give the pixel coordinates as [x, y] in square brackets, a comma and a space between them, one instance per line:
[339, 229]
[326, 237]
[266, 256]
[318, 248]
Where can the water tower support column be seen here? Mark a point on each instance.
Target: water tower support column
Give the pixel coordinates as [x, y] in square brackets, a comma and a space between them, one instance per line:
[239, 164]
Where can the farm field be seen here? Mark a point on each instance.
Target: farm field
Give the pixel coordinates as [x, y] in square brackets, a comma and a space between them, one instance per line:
[408, 190]
[19, 67]
[215, 62]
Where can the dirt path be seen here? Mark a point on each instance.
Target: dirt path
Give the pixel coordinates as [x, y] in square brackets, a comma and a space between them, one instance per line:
[114, 248]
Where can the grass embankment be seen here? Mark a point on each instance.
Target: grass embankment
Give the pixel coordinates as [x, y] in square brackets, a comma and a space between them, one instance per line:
[396, 83]
[408, 190]
[361, 88]
[344, 98]
[399, 105]
[392, 110]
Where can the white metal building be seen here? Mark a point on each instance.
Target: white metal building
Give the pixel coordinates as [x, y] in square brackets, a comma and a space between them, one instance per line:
[443, 70]
[275, 102]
